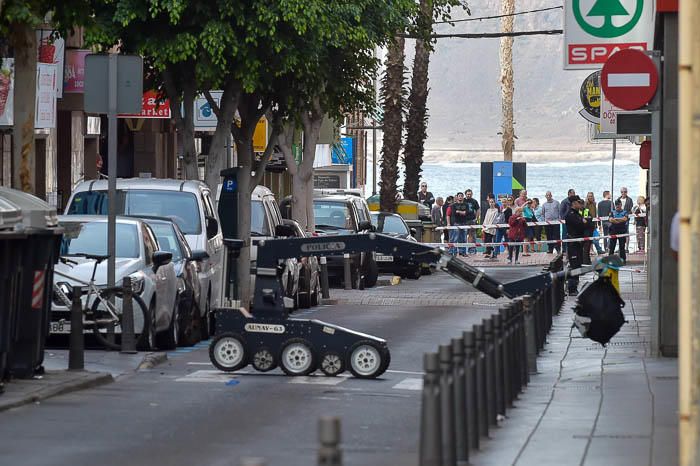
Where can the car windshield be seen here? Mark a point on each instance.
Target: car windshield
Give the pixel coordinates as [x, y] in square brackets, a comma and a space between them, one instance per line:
[179, 206]
[332, 214]
[167, 240]
[91, 238]
[258, 221]
[392, 224]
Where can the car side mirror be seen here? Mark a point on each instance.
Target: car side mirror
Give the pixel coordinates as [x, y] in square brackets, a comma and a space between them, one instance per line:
[212, 227]
[161, 258]
[282, 231]
[199, 256]
[413, 232]
[365, 225]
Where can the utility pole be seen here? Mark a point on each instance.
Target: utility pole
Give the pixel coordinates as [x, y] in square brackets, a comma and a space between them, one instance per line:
[689, 247]
[507, 87]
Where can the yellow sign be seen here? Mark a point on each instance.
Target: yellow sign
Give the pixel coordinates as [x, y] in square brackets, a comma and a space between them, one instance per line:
[260, 136]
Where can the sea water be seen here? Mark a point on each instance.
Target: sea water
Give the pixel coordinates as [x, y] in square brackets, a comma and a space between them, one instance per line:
[445, 179]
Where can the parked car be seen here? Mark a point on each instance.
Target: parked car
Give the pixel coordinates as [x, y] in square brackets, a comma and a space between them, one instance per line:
[190, 299]
[136, 247]
[309, 289]
[342, 214]
[409, 210]
[394, 225]
[187, 203]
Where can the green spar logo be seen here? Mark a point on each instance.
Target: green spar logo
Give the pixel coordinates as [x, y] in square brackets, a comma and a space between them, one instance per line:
[607, 9]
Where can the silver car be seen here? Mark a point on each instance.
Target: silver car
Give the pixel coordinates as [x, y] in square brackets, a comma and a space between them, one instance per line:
[187, 203]
[135, 246]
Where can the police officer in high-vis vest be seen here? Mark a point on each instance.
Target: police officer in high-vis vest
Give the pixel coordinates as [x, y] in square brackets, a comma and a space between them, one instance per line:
[576, 226]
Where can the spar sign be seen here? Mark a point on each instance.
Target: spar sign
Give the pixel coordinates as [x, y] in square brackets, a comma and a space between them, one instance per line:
[596, 29]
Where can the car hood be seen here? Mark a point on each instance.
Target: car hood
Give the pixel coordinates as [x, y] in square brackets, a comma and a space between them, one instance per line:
[322, 232]
[83, 271]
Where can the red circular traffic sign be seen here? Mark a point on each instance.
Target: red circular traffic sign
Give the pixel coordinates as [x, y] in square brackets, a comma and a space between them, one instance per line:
[629, 79]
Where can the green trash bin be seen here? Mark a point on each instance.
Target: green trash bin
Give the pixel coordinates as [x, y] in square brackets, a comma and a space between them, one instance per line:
[41, 251]
[11, 255]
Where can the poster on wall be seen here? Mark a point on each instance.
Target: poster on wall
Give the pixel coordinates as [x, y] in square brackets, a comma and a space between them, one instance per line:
[74, 71]
[51, 49]
[7, 86]
[45, 111]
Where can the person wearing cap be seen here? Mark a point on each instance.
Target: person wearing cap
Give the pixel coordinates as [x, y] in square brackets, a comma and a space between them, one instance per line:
[576, 226]
[619, 226]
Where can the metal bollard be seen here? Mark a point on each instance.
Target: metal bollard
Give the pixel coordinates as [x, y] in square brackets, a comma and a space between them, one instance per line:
[128, 338]
[460, 402]
[499, 344]
[471, 389]
[76, 348]
[530, 334]
[506, 357]
[431, 419]
[253, 462]
[490, 371]
[325, 292]
[329, 453]
[448, 406]
[482, 400]
[524, 372]
[347, 274]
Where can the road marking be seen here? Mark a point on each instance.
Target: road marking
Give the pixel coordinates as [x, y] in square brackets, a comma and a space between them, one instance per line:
[319, 380]
[409, 384]
[406, 372]
[207, 376]
[191, 363]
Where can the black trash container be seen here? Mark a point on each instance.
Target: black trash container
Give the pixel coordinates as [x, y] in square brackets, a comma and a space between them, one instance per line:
[41, 251]
[11, 252]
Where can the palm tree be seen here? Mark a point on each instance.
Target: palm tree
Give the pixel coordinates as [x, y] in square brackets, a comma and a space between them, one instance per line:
[417, 121]
[392, 96]
[507, 88]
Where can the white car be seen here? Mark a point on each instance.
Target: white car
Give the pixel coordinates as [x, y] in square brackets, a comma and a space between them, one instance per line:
[187, 203]
[135, 248]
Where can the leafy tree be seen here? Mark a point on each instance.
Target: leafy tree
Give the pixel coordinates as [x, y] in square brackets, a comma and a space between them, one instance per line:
[18, 22]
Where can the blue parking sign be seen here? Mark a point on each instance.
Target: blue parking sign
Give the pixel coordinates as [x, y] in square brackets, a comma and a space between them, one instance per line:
[230, 186]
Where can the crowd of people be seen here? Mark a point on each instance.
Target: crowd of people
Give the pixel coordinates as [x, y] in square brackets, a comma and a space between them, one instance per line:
[571, 218]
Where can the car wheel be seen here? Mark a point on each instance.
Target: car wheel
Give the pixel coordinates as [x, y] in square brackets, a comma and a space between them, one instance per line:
[189, 332]
[228, 352]
[371, 272]
[297, 357]
[170, 338]
[332, 364]
[304, 295]
[415, 273]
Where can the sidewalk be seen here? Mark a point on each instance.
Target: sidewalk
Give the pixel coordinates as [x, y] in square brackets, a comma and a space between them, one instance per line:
[101, 367]
[590, 405]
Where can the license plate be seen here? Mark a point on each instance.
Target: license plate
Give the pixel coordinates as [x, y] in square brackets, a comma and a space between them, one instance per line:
[383, 258]
[60, 327]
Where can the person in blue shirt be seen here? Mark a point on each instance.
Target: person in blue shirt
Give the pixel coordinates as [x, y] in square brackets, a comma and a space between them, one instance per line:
[619, 225]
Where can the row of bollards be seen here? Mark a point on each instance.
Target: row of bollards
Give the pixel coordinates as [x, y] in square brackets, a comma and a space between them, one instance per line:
[470, 384]
[329, 452]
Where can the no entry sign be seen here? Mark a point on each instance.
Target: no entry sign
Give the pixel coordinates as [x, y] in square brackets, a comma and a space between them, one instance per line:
[629, 79]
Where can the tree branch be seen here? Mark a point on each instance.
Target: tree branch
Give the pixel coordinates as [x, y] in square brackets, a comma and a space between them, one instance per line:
[285, 140]
[260, 169]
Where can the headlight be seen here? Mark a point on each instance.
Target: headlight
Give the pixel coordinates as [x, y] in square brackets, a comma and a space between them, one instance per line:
[181, 286]
[137, 284]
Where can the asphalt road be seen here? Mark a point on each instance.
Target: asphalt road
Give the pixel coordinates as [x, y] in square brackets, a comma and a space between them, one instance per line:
[185, 412]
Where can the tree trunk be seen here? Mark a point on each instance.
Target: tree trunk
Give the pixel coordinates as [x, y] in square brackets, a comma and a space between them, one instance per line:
[244, 148]
[217, 157]
[393, 123]
[184, 121]
[417, 121]
[23, 41]
[507, 86]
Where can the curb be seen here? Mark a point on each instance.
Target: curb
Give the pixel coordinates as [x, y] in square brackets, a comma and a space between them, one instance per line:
[151, 360]
[93, 379]
[326, 301]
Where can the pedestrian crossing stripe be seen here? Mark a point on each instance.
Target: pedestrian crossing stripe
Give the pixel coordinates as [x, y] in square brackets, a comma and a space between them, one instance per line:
[409, 384]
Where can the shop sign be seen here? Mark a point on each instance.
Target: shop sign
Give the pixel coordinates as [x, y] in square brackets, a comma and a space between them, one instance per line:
[74, 71]
[151, 107]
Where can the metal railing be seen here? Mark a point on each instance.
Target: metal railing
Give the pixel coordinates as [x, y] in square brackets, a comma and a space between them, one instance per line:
[471, 383]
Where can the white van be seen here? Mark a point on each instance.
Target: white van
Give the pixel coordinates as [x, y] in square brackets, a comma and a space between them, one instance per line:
[188, 203]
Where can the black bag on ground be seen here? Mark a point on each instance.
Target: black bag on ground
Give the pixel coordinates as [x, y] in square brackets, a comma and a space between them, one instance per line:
[599, 311]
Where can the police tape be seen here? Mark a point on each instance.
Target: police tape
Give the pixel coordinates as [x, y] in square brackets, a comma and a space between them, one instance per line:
[530, 224]
[522, 243]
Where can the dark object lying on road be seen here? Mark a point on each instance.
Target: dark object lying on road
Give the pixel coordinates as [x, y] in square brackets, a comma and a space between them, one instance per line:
[598, 312]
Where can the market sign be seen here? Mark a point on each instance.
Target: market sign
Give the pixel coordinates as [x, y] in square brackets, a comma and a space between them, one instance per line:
[596, 29]
[151, 107]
